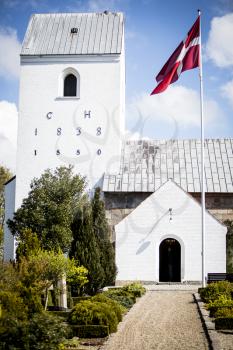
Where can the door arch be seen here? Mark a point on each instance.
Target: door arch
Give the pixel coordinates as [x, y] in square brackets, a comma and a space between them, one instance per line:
[169, 260]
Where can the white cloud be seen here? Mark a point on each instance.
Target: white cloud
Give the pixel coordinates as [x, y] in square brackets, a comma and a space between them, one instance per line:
[227, 91]
[97, 5]
[102, 5]
[9, 58]
[178, 108]
[219, 46]
[25, 3]
[129, 135]
[8, 134]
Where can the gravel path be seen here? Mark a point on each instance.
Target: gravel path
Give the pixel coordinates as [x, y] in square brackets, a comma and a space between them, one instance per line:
[225, 340]
[160, 320]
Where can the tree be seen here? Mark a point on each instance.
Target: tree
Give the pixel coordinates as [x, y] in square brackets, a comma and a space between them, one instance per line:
[229, 246]
[42, 269]
[28, 244]
[85, 247]
[5, 175]
[49, 209]
[102, 232]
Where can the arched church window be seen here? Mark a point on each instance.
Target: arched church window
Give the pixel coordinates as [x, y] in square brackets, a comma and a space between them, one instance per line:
[70, 85]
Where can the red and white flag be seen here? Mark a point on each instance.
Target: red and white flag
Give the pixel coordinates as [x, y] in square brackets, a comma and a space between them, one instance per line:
[185, 57]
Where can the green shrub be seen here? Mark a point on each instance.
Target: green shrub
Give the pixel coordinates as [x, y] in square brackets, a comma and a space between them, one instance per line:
[115, 306]
[88, 312]
[69, 344]
[222, 301]
[63, 314]
[13, 333]
[224, 323]
[214, 290]
[120, 292]
[76, 300]
[42, 332]
[46, 332]
[125, 301]
[136, 289]
[91, 331]
[224, 311]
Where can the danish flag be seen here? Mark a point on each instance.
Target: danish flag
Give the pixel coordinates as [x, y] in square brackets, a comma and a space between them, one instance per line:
[185, 57]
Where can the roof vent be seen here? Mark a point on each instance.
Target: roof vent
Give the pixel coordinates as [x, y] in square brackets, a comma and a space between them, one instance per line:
[74, 31]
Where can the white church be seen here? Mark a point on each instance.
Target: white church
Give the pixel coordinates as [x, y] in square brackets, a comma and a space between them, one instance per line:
[72, 111]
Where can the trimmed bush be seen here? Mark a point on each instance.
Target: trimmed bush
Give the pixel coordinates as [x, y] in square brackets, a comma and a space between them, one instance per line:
[63, 314]
[41, 332]
[88, 312]
[222, 301]
[224, 311]
[69, 344]
[224, 323]
[136, 289]
[76, 300]
[90, 331]
[125, 301]
[120, 292]
[46, 332]
[214, 290]
[115, 306]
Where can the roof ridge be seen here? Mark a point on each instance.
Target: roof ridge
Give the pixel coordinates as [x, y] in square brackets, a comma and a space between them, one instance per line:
[77, 13]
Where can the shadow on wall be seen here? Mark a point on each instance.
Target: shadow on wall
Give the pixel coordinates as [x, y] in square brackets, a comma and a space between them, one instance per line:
[143, 247]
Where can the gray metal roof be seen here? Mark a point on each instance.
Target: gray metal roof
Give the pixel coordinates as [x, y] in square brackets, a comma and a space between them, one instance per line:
[97, 33]
[146, 165]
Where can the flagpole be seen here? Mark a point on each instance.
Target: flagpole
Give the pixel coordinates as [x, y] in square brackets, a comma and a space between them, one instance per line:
[202, 165]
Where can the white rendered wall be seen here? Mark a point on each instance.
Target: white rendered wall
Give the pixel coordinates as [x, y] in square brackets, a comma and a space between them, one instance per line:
[102, 84]
[139, 235]
[9, 242]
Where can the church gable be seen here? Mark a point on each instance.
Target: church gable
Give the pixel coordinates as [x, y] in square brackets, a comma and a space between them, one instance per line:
[168, 214]
[168, 196]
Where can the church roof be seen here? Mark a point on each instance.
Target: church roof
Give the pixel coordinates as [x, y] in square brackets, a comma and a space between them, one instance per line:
[74, 34]
[148, 164]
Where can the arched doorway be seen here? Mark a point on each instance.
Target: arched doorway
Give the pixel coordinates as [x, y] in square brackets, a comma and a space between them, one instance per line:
[169, 260]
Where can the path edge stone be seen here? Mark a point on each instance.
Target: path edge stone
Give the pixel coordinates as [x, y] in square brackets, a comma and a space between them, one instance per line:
[208, 324]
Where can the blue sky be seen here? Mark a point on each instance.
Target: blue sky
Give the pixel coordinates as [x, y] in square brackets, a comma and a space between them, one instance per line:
[153, 29]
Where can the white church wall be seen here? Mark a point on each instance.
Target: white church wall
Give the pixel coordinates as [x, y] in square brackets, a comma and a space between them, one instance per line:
[140, 234]
[9, 242]
[102, 93]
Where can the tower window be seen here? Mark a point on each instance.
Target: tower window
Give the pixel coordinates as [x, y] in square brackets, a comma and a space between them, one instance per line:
[74, 31]
[70, 85]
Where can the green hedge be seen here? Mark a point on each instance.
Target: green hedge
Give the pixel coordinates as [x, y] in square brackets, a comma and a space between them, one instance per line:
[224, 323]
[90, 331]
[120, 292]
[88, 312]
[136, 289]
[214, 290]
[76, 300]
[218, 310]
[115, 306]
[224, 311]
[63, 314]
[222, 301]
[126, 301]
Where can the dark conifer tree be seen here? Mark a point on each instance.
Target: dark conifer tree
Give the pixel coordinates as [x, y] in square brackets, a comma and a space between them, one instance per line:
[85, 248]
[102, 232]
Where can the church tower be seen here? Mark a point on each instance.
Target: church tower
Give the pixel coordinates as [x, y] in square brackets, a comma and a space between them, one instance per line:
[72, 96]
[71, 101]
